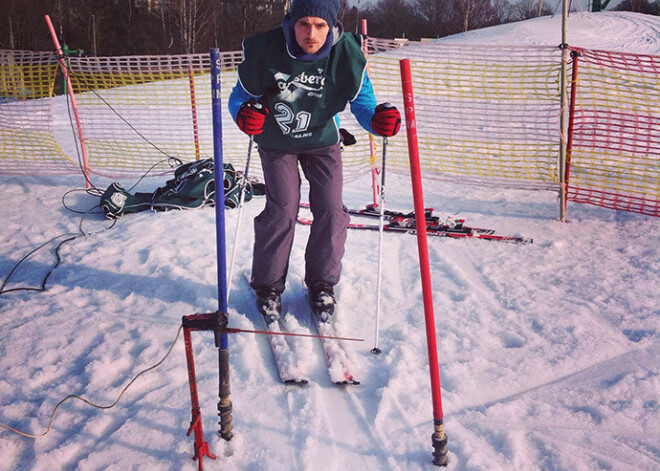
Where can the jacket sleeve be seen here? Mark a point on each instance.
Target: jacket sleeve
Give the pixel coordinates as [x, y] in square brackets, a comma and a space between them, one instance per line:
[364, 104]
[239, 93]
[237, 97]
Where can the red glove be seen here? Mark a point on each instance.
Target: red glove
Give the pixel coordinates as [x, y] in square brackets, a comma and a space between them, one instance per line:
[386, 120]
[250, 117]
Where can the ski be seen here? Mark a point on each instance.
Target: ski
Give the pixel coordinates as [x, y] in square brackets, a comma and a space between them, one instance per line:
[288, 363]
[372, 211]
[323, 311]
[339, 364]
[396, 221]
[462, 233]
[286, 360]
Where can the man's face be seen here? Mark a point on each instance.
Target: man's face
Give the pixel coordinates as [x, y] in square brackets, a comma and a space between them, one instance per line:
[311, 33]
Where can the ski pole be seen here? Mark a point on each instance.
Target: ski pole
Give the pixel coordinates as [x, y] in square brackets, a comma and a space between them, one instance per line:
[381, 223]
[240, 212]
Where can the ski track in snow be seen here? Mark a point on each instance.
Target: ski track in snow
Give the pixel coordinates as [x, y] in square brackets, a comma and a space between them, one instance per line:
[580, 382]
[622, 442]
[459, 270]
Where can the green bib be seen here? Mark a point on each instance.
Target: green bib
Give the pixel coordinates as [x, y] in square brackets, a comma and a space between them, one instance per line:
[302, 97]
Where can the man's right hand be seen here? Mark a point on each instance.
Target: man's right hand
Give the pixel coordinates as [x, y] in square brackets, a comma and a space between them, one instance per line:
[386, 120]
[251, 116]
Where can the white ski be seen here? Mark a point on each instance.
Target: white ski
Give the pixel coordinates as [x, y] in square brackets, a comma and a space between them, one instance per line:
[339, 364]
[285, 358]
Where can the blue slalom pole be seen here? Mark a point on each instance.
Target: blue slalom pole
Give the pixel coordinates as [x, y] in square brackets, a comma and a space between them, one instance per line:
[216, 104]
[221, 341]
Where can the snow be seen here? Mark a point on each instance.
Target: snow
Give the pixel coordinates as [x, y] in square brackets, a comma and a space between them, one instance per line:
[613, 31]
[548, 352]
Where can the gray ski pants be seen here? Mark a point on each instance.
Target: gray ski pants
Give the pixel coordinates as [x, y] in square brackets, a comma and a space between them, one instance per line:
[274, 228]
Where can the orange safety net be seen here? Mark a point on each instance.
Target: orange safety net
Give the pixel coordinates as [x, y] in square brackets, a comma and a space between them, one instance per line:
[615, 134]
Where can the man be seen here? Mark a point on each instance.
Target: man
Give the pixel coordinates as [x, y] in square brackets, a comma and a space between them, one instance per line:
[291, 84]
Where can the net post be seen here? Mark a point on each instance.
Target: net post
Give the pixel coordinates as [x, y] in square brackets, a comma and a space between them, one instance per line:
[439, 438]
[193, 107]
[562, 116]
[221, 341]
[571, 122]
[72, 97]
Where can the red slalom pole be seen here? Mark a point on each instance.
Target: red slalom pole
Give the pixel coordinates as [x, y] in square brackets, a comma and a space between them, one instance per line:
[439, 438]
[72, 97]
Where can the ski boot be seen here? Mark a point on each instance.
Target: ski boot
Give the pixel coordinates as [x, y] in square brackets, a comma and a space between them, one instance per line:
[322, 300]
[269, 303]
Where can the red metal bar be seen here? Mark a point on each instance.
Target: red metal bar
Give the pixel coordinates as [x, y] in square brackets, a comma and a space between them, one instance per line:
[201, 446]
[231, 330]
[439, 438]
[206, 321]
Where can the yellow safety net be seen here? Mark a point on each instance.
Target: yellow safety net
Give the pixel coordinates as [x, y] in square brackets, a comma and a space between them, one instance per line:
[487, 115]
[27, 142]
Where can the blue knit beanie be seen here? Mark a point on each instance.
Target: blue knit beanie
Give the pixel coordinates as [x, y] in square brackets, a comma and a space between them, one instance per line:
[326, 9]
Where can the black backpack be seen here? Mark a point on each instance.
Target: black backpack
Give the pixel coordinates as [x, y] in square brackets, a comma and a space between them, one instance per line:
[193, 186]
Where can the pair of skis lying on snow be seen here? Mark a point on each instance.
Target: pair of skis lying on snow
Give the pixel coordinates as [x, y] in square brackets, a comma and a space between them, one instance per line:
[339, 364]
[396, 221]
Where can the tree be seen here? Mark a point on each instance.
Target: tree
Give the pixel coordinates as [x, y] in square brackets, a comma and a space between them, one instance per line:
[472, 14]
[526, 9]
[505, 11]
[88, 26]
[185, 22]
[22, 25]
[435, 15]
[351, 21]
[122, 27]
[244, 18]
[640, 6]
[393, 18]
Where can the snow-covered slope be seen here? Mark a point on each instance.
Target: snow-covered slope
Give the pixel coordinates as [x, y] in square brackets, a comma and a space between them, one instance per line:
[549, 352]
[608, 30]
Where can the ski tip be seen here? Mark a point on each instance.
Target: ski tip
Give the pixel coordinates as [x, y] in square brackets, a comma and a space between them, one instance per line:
[347, 382]
[519, 240]
[296, 382]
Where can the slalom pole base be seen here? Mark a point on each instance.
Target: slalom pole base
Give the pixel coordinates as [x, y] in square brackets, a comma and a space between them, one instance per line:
[439, 441]
[217, 323]
[376, 351]
[201, 446]
[224, 405]
[226, 427]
